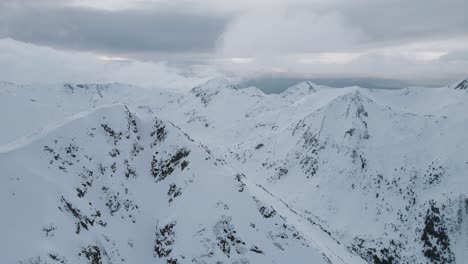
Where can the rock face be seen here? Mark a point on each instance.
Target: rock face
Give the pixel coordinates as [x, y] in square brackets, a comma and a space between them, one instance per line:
[463, 85]
[227, 175]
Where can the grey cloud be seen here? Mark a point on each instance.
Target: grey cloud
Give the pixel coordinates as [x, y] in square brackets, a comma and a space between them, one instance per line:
[187, 32]
[401, 21]
[173, 27]
[460, 55]
[112, 31]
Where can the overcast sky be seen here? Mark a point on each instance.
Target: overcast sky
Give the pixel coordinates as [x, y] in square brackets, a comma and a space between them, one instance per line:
[398, 39]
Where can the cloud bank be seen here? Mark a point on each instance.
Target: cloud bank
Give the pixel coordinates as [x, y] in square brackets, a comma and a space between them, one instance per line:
[27, 63]
[420, 39]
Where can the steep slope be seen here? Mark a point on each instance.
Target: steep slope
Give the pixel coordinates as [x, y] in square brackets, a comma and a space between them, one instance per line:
[113, 186]
[387, 184]
[27, 116]
[32, 107]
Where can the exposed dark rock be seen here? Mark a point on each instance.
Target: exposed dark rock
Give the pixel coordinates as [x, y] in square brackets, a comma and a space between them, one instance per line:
[434, 174]
[49, 230]
[165, 238]
[173, 192]
[227, 238]
[93, 254]
[436, 242]
[256, 250]
[162, 168]
[265, 210]
[159, 132]
[240, 184]
[57, 258]
[116, 136]
[463, 85]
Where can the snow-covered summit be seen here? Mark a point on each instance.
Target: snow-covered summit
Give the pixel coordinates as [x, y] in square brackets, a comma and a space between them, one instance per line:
[206, 91]
[300, 90]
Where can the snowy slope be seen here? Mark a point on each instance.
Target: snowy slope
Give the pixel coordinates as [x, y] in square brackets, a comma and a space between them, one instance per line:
[37, 106]
[370, 183]
[111, 186]
[112, 173]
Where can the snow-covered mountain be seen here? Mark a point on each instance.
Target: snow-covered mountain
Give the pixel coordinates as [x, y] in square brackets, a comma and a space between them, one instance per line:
[112, 173]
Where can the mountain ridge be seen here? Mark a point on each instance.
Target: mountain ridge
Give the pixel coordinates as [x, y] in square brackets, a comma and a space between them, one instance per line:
[224, 175]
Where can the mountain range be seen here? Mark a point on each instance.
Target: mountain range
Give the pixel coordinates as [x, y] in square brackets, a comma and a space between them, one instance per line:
[114, 173]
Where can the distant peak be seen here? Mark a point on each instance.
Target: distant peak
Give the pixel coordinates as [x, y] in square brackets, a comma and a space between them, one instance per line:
[216, 84]
[254, 91]
[90, 86]
[355, 95]
[303, 88]
[211, 88]
[94, 88]
[462, 85]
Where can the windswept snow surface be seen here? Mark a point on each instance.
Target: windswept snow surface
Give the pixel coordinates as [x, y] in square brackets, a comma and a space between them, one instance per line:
[112, 173]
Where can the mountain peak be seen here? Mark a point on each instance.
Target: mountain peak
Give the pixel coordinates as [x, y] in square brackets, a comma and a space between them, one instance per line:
[300, 89]
[211, 88]
[353, 101]
[216, 84]
[462, 85]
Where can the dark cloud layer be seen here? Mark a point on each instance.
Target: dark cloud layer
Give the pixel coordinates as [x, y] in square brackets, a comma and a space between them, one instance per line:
[393, 39]
[174, 28]
[110, 31]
